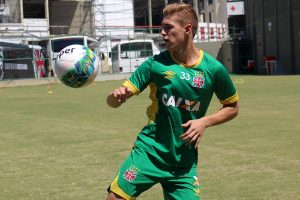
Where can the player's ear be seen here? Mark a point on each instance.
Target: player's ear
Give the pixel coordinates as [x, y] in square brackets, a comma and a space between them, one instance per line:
[188, 28]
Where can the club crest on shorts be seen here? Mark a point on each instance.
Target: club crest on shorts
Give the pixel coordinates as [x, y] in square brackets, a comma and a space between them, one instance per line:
[131, 173]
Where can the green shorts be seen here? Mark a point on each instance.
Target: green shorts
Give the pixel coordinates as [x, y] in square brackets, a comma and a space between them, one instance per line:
[140, 171]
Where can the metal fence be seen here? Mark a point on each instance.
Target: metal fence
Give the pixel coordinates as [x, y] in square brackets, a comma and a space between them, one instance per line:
[27, 61]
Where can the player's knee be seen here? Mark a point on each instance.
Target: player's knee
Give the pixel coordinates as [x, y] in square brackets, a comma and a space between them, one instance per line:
[113, 196]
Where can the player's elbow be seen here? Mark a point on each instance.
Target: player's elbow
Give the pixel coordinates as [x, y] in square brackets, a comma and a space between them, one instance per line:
[232, 110]
[235, 110]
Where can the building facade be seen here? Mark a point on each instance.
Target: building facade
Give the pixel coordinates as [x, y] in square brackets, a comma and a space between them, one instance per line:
[210, 11]
[71, 17]
[39, 19]
[21, 20]
[24, 21]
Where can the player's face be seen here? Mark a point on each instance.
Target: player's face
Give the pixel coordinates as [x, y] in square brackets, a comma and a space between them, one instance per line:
[173, 33]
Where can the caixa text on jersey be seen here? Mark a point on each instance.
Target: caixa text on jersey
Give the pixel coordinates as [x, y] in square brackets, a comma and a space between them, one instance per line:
[179, 102]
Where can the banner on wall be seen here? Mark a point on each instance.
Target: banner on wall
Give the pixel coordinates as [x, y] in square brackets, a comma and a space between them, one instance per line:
[235, 8]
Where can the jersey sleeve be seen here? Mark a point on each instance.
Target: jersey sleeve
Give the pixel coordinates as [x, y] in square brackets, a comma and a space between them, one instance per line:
[140, 78]
[224, 87]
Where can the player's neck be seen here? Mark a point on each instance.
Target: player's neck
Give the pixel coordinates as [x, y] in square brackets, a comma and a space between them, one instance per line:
[188, 55]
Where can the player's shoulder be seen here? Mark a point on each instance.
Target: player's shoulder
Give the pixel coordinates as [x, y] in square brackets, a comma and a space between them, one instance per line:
[158, 57]
[156, 61]
[211, 62]
[163, 58]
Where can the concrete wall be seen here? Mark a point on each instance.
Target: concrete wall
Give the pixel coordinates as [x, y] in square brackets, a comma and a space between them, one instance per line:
[223, 52]
[71, 17]
[273, 27]
[295, 18]
[284, 45]
[213, 48]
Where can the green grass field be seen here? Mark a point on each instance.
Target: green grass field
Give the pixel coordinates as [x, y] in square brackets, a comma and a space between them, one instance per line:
[69, 144]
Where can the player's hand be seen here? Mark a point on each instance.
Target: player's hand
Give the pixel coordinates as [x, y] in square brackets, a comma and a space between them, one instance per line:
[121, 94]
[195, 130]
[118, 96]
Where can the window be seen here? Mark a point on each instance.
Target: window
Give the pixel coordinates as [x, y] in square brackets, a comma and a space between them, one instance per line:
[58, 45]
[136, 50]
[2, 5]
[202, 17]
[34, 9]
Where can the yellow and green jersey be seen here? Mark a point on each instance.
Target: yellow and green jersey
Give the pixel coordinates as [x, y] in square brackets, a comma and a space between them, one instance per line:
[179, 93]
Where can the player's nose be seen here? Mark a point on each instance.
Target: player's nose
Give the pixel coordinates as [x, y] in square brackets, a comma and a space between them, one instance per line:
[163, 32]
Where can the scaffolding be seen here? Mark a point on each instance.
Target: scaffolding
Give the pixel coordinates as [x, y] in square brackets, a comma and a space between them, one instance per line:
[100, 32]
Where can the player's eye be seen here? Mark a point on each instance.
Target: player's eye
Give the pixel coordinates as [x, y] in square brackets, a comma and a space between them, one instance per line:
[167, 27]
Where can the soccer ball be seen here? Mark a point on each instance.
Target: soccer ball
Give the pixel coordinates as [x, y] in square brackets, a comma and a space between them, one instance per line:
[76, 66]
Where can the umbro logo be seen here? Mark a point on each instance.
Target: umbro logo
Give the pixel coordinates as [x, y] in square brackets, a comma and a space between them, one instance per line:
[169, 74]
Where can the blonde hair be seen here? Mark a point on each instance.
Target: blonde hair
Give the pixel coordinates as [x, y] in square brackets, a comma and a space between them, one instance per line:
[186, 14]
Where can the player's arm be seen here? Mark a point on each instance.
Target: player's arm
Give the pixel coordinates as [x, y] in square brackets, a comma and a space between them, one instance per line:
[226, 93]
[226, 113]
[197, 127]
[136, 83]
[228, 97]
[118, 96]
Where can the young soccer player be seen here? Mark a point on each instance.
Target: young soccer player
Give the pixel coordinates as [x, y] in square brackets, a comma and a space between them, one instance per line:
[182, 81]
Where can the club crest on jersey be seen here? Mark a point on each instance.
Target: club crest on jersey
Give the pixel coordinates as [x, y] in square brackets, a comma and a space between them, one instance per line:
[169, 74]
[131, 173]
[198, 80]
